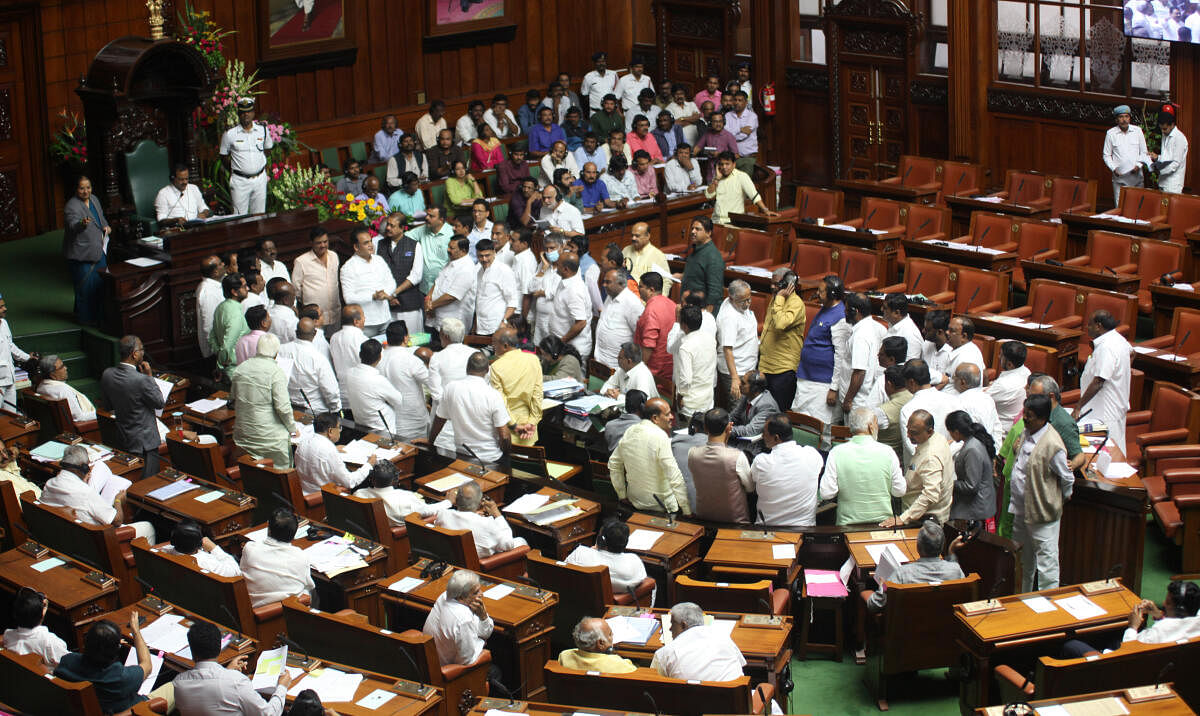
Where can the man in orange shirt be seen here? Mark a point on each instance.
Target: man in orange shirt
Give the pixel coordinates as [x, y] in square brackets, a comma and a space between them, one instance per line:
[655, 325]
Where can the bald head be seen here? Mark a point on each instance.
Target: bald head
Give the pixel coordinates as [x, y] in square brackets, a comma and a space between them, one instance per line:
[592, 634]
[352, 315]
[306, 329]
[504, 340]
[212, 267]
[966, 377]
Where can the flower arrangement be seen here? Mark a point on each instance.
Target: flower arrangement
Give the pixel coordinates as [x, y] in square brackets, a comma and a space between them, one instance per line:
[284, 138]
[220, 111]
[291, 187]
[69, 144]
[365, 211]
[197, 29]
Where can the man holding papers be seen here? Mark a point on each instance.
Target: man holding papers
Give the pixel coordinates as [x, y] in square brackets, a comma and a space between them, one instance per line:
[472, 511]
[318, 461]
[929, 568]
[593, 642]
[459, 622]
[209, 688]
[1124, 152]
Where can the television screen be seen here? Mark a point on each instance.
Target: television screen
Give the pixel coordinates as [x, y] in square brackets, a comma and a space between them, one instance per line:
[1171, 20]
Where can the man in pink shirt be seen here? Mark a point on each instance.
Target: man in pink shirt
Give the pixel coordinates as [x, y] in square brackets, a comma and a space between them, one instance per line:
[644, 176]
[641, 139]
[655, 325]
[710, 93]
[259, 321]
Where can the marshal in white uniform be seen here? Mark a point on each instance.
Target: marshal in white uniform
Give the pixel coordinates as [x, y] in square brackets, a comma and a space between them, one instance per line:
[246, 149]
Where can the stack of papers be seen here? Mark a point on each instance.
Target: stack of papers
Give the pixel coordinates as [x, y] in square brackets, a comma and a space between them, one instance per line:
[359, 451]
[144, 262]
[589, 404]
[643, 539]
[331, 685]
[156, 662]
[526, 504]
[206, 405]
[174, 489]
[48, 452]
[166, 634]
[965, 247]
[876, 551]
[270, 666]
[561, 388]
[1120, 470]
[1080, 607]
[449, 482]
[164, 387]
[752, 270]
[632, 630]
[1119, 218]
[334, 556]
[989, 199]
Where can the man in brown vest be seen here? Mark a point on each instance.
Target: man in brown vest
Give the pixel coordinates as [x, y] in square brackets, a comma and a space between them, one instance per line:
[1041, 482]
[721, 473]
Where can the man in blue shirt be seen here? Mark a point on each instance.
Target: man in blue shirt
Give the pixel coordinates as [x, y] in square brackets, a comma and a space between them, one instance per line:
[595, 193]
[591, 151]
[543, 136]
[527, 115]
[408, 200]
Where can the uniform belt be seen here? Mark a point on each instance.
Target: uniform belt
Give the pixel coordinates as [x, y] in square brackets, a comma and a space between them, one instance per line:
[244, 175]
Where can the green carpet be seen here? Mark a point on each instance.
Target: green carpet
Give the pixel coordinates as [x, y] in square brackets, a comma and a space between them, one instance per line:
[827, 688]
[36, 285]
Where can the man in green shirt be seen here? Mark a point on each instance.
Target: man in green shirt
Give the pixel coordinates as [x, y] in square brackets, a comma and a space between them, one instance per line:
[607, 119]
[863, 474]
[229, 323]
[705, 267]
[259, 397]
[433, 238]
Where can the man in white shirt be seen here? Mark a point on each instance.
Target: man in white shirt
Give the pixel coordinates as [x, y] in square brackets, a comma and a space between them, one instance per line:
[55, 387]
[625, 569]
[682, 172]
[631, 374]
[459, 622]
[643, 466]
[496, 295]
[445, 367]
[1105, 379]
[209, 689]
[246, 145]
[524, 266]
[597, 83]
[1008, 389]
[737, 337]
[895, 312]
[1171, 158]
[187, 539]
[697, 652]
[476, 512]
[397, 503]
[28, 635]
[631, 85]
[695, 364]
[786, 477]
[860, 370]
[500, 118]
[453, 292]
[274, 568]
[481, 225]
[313, 385]
[622, 187]
[318, 461]
[208, 297]
[282, 309]
[1124, 152]
[926, 397]
[561, 216]
[431, 124]
[618, 317]
[976, 402]
[70, 489]
[268, 260]
[180, 201]
[960, 336]
[409, 375]
[571, 317]
[367, 281]
[936, 351]
[343, 347]
[477, 412]
[374, 401]
[467, 126]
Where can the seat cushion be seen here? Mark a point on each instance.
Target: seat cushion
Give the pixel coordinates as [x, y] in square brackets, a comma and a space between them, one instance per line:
[1156, 488]
[314, 499]
[503, 558]
[1167, 515]
[781, 601]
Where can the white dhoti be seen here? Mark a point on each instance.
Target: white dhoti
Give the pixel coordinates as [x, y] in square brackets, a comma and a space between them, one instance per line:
[305, 5]
[1133, 178]
[249, 194]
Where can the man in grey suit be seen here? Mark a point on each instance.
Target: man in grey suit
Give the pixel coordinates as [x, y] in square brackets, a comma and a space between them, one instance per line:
[755, 407]
[131, 393]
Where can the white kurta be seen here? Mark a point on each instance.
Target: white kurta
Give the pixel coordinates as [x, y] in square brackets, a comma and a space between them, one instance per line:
[275, 571]
[617, 324]
[1174, 152]
[457, 633]
[313, 382]
[966, 353]
[638, 377]
[786, 482]
[374, 400]
[865, 338]
[208, 297]
[1109, 361]
[361, 279]
[702, 653]
[1008, 392]
[398, 503]
[737, 330]
[475, 409]
[343, 350]
[318, 463]
[495, 293]
[625, 569]
[404, 370]
[492, 534]
[572, 303]
[906, 329]
[457, 279]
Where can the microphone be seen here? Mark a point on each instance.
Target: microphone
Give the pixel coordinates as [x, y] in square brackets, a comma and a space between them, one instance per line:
[804, 205]
[306, 402]
[906, 173]
[1178, 345]
[971, 300]
[916, 281]
[233, 621]
[512, 695]
[765, 700]
[391, 440]
[957, 184]
[1020, 184]
[632, 591]
[479, 465]
[1088, 466]
[1083, 415]
[982, 236]
[293, 645]
[1028, 678]
[895, 515]
[1109, 269]
[1158, 680]
[868, 219]
[1042, 323]
[1168, 278]
[663, 505]
[1074, 195]
[653, 704]
[923, 225]
[1141, 199]
[762, 520]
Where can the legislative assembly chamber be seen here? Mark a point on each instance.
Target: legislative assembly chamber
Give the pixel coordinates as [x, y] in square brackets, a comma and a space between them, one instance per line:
[477, 357]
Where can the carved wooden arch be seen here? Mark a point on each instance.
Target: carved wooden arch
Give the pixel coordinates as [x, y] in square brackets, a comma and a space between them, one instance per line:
[881, 28]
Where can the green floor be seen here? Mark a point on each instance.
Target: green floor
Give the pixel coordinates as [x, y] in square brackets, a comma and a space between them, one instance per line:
[827, 688]
[35, 284]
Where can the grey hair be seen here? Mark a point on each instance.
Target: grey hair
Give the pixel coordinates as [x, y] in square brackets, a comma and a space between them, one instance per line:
[860, 420]
[1049, 386]
[268, 345]
[75, 456]
[930, 539]
[587, 634]
[687, 615]
[739, 287]
[470, 496]
[632, 351]
[461, 584]
[46, 364]
[453, 330]
[968, 373]
[778, 274]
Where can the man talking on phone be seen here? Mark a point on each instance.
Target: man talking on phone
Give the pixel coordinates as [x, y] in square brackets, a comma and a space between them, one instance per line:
[732, 187]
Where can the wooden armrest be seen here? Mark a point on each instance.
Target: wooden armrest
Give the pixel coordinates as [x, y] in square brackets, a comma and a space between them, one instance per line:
[452, 672]
[895, 288]
[943, 297]
[866, 284]
[1068, 322]
[761, 697]
[1014, 677]
[1047, 254]
[1125, 268]
[502, 558]
[854, 222]
[314, 499]
[1137, 417]
[1007, 246]
[351, 614]
[935, 236]
[989, 307]
[1181, 474]
[1019, 312]
[1157, 219]
[125, 533]
[966, 239]
[1164, 452]
[1081, 260]
[267, 612]
[1158, 437]
[890, 180]
[1166, 341]
[87, 426]
[1182, 501]
[1039, 203]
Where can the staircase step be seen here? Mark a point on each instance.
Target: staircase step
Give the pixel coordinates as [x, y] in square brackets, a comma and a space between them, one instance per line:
[51, 341]
[76, 362]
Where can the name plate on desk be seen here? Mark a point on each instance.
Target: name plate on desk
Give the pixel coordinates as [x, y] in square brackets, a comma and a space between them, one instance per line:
[502, 705]
[170, 473]
[761, 620]
[757, 534]
[237, 498]
[983, 606]
[618, 611]
[412, 688]
[1101, 586]
[154, 605]
[22, 421]
[98, 578]
[1139, 694]
[34, 550]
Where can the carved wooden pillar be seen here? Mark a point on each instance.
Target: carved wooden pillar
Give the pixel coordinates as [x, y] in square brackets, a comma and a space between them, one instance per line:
[970, 34]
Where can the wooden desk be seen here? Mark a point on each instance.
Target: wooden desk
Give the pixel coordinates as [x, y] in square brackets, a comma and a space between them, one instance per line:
[562, 537]
[404, 703]
[905, 541]
[676, 552]
[222, 419]
[603, 227]
[1103, 528]
[1079, 224]
[855, 189]
[1065, 341]
[121, 463]
[492, 482]
[151, 608]
[18, 430]
[888, 244]
[1160, 366]
[404, 461]
[178, 393]
[354, 589]
[1172, 706]
[765, 646]
[523, 620]
[74, 602]
[1082, 276]
[961, 208]
[679, 213]
[748, 555]
[221, 519]
[1018, 631]
[1166, 299]
[962, 254]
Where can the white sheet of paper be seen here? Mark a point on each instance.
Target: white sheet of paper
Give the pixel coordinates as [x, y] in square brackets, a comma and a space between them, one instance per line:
[331, 685]
[142, 262]
[266, 672]
[406, 585]
[210, 496]
[1039, 605]
[1080, 607]
[375, 699]
[46, 564]
[643, 539]
[449, 482]
[1120, 470]
[525, 504]
[877, 550]
[155, 666]
[783, 551]
[498, 592]
[205, 405]
[810, 578]
[846, 570]
[166, 634]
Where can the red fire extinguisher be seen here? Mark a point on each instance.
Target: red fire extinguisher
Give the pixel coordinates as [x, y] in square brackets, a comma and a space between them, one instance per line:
[766, 96]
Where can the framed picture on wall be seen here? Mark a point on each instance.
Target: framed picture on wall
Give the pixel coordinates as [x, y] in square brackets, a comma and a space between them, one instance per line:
[304, 35]
[461, 19]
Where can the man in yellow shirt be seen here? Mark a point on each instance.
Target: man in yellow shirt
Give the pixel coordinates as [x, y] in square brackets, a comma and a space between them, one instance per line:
[517, 375]
[593, 639]
[732, 188]
[643, 256]
[782, 338]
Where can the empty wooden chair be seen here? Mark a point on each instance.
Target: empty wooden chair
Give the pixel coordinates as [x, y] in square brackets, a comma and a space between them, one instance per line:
[1183, 214]
[1158, 459]
[860, 269]
[1184, 337]
[1026, 188]
[12, 525]
[755, 248]
[917, 172]
[273, 488]
[206, 460]
[1049, 302]
[1072, 194]
[980, 291]
[1144, 204]
[1038, 241]
[926, 222]
[1156, 259]
[995, 231]
[812, 260]
[817, 203]
[1172, 417]
[457, 547]
[530, 461]
[879, 214]
[1107, 250]
[960, 179]
[928, 277]
[749, 598]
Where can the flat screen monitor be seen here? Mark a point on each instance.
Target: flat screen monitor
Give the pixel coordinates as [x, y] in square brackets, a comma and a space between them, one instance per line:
[1170, 20]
